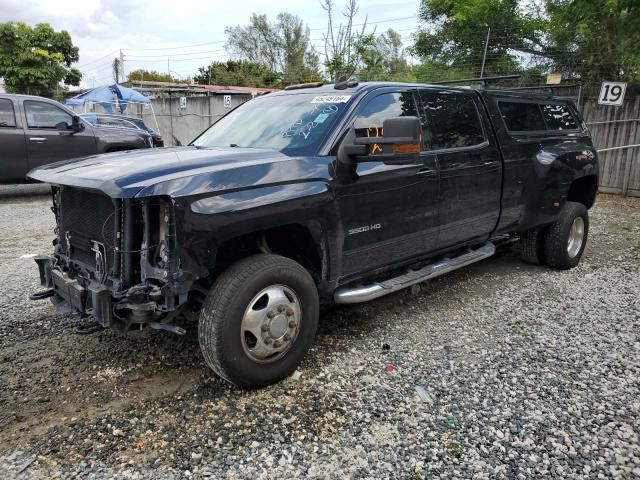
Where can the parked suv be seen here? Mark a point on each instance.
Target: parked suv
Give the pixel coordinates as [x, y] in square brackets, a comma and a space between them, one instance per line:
[35, 131]
[337, 193]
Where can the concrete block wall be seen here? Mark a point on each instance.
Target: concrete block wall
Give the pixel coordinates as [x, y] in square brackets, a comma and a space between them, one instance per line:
[179, 126]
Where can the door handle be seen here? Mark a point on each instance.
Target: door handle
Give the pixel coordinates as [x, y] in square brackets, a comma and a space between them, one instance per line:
[491, 162]
[37, 139]
[426, 171]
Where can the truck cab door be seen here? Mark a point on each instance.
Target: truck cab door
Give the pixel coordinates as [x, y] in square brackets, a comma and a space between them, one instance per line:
[47, 144]
[13, 153]
[388, 211]
[470, 166]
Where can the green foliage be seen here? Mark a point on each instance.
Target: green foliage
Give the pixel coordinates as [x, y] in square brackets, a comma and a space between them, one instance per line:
[457, 32]
[153, 76]
[242, 73]
[35, 60]
[282, 47]
[585, 40]
[602, 36]
[343, 45]
[383, 58]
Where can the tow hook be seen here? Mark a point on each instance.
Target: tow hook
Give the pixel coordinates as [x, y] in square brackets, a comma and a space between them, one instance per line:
[168, 327]
[89, 328]
[42, 294]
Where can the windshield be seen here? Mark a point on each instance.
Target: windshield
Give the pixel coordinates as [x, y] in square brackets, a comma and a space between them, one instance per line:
[294, 124]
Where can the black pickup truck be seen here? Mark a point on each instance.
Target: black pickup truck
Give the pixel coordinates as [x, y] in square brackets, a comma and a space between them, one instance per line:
[336, 193]
[35, 131]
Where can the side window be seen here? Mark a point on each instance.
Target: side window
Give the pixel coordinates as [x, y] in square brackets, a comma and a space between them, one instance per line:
[44, 115]
[7, 115]
[521, 116]
[369, 119]
[454, 118]
[558, 117]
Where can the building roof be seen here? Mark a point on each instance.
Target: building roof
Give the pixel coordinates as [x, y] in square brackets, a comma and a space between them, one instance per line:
[199, 88]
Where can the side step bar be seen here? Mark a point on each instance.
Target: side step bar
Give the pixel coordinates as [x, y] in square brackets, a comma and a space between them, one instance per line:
[440, 267]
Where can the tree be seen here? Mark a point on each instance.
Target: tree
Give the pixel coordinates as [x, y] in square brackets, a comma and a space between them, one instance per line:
[383, 57]
[242, 73]
[456, 33]
[35, 60]
[115, 67]
[583, 39]
[153, 76]
[595, 41]
[282, 46]
[343, 47]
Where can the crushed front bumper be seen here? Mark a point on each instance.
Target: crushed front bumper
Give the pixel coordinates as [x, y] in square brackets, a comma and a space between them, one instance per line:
[95, 299]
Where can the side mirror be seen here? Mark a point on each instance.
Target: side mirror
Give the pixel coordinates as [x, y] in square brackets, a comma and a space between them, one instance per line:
[76, 124]
[400, 143]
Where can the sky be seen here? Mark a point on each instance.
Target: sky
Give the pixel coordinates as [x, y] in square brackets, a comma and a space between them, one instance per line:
[186, 33]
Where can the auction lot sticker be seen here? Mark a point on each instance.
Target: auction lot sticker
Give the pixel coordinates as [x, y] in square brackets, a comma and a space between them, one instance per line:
[612, 93]
[331, 99]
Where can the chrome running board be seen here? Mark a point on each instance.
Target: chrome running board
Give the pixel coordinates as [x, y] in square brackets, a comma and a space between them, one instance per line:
[411, 277]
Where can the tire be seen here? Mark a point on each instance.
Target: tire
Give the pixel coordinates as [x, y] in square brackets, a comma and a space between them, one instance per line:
[559, 252]
[235, 320]
[530, 246]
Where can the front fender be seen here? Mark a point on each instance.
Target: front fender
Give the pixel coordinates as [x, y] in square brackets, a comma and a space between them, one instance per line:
[208, 222]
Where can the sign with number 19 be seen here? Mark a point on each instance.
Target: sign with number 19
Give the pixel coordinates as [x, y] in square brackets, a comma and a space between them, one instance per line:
[612, 93]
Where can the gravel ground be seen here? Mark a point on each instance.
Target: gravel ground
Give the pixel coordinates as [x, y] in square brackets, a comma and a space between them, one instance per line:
[522, 372]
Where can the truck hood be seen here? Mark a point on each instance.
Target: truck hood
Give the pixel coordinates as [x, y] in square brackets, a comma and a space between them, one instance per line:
[178, 171]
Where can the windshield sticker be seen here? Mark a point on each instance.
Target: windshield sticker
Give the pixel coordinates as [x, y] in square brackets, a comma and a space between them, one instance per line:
[304, 129]
[331, 99]
[321, 118]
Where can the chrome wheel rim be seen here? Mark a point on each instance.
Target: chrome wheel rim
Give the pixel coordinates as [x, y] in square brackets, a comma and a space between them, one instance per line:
[270, 324]
[576, 237]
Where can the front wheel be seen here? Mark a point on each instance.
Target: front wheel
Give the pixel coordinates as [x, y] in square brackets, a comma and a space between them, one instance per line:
[259, 320]
[565, 240]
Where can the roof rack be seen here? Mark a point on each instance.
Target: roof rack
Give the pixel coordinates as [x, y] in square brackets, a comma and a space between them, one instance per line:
[549, 88]
[298, 86]
[478, 79]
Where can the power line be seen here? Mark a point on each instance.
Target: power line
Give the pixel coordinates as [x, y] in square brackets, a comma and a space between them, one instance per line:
[174, 54]
[388, 20]
[173, 48]
[97, 59]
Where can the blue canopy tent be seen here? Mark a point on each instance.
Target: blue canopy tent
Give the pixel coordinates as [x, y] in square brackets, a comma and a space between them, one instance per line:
[110, 94]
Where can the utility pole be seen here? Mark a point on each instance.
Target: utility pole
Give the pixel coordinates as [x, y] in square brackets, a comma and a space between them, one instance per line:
[484, 57]
[122, 66]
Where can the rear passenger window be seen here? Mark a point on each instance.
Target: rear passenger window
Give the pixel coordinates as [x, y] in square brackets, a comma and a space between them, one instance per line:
[7, 116]
[558, 117]
[454, 120]
[522, 117]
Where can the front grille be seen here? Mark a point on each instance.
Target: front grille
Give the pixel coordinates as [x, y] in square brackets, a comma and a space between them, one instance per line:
[87, 216]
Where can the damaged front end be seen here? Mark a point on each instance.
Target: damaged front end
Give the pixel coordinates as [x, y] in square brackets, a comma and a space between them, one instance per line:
[115, 259]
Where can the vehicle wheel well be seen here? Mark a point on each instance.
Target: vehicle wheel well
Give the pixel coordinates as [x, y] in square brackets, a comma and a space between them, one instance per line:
[294, 241]
[583, 190]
